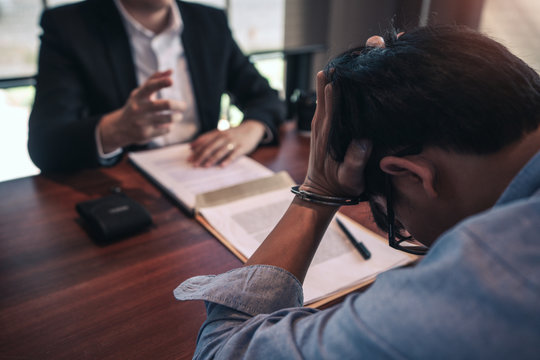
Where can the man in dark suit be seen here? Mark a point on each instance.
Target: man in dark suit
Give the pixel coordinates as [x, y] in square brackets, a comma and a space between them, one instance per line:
[99, 91]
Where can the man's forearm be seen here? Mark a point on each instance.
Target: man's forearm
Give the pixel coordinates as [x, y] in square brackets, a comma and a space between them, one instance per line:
[110, 138]
[294, 240]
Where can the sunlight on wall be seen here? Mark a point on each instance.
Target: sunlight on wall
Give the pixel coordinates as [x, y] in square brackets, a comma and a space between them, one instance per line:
[516, 24]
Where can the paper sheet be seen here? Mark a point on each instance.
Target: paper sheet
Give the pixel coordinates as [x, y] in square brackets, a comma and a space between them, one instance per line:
[169, 167]
[336, 266]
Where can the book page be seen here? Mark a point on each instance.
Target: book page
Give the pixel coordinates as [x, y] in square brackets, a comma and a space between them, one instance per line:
[337, 265]
[168, 166]
[246, 189]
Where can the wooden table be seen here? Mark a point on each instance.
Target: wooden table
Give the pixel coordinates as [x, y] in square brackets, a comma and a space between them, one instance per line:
[63, 296]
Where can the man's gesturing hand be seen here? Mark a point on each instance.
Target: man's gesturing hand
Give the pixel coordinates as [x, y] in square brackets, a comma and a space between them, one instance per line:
[143, 117]
[326, 176]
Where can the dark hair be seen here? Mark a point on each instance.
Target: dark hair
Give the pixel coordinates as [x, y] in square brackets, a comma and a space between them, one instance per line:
[444, 86]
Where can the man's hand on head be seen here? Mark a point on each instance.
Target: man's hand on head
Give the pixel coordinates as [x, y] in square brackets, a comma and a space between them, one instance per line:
[378, 41]
[222, 147]
[326, 176]
[375, 41]
[143, 117]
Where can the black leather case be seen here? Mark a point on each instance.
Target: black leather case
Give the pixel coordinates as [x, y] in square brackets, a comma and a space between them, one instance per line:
[114, 216]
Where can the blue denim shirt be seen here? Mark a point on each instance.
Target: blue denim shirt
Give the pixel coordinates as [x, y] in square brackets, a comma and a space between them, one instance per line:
[476, 295]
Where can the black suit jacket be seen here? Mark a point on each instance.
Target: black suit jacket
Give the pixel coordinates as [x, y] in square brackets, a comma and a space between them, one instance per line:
[86, 70]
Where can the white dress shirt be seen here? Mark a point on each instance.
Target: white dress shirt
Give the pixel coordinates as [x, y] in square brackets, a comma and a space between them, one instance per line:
[159, 52]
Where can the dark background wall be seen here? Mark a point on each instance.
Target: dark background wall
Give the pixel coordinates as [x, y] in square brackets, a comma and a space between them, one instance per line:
[336, 25]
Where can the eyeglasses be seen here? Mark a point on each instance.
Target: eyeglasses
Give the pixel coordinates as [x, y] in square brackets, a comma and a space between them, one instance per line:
[406, 244]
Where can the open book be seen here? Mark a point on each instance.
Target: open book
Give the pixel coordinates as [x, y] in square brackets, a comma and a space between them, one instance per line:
[169, 169]
[241, 204]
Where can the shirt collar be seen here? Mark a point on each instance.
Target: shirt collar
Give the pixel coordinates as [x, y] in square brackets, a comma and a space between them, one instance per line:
[525, 184]
[175, 25]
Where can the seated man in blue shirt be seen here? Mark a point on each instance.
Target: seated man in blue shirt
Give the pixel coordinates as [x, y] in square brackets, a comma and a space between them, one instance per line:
[439, 129]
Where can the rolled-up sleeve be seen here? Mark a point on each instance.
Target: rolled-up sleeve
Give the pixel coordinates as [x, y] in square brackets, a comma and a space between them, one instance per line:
[255, 312]
[236, 298]
[259, 289]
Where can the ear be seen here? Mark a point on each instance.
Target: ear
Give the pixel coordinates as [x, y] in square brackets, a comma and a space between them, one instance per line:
[419, 170]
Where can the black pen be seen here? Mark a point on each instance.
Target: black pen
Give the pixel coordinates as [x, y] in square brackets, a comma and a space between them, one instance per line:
[362, 249]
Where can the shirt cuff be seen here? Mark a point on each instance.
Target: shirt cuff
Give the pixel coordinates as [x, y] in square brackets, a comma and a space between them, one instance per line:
[101, 153]
[257, 289]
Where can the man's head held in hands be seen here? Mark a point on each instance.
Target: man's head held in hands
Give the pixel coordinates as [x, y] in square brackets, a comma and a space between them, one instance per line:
[452, 116]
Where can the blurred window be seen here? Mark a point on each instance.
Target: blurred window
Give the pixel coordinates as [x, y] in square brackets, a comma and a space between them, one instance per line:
[15, 104]
[19, 42]
[258, 25]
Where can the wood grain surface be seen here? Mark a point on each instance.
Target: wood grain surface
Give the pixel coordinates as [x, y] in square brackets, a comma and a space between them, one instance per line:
[65, 296]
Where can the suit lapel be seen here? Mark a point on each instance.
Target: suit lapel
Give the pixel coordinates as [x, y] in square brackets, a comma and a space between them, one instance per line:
[194, 56]
[117, 47]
